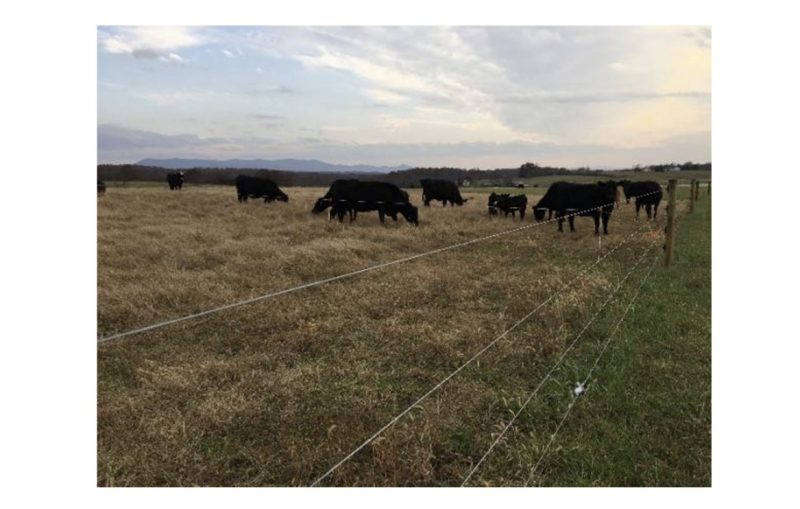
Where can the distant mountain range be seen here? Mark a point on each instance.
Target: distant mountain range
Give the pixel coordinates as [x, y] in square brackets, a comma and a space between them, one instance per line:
[264, 164]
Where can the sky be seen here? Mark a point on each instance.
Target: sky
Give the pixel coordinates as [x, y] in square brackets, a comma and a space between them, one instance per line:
[462, 96]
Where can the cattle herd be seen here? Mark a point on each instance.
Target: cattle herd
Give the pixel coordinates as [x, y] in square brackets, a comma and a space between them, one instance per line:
[348, 197]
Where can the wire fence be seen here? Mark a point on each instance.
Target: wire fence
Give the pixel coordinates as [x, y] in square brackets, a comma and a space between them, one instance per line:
[285, 291]
[555, 366]
[436, 387]
[589, 375]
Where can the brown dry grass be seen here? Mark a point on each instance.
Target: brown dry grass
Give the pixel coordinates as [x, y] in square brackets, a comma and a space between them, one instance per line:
[276, 392]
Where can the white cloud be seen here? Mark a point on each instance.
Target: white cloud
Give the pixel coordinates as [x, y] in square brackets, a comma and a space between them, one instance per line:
[171, 58]
[227, 53]
[163, 38]
[383, 96]
[150, 42]
[115, 44]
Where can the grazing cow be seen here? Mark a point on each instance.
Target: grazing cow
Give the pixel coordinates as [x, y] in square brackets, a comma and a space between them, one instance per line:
[351, 197]
[647, 193]
[494, 198]
[175, 181]
[101, 187]
[508, 203]
[444, 190]
[257, 187]
[327, 200]
[590, 200]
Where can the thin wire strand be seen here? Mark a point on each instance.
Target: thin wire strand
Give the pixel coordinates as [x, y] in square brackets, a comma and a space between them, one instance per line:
[468, 362]
[555, 366]
[597, 360]
[341, 276]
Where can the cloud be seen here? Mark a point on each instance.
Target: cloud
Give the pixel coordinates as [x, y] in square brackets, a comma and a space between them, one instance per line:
[385, 97]
[598, 97]
[171, 58]
[150, 42]
[700, 36]
[268, 117]
[165, 98]
[277, 89]
[115, 137]
[575, 87]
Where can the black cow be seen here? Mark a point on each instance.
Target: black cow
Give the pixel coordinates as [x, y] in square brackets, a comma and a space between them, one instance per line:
[508, 203]
[443, 190]
[327, 200]
[175, 181]
[257, 187]
[647, 193]
[351, 197]
[101, 187]
[590, 200]
[493, 199]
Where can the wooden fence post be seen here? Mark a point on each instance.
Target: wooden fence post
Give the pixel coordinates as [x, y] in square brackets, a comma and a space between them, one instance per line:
[691, 196]
[709, 188]
[697, 190]
[673, 185]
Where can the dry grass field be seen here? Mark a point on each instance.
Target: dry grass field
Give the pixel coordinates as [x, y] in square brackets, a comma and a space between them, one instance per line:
[274, 393]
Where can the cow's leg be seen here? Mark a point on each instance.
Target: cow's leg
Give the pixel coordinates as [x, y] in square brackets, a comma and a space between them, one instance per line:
[655, 210]
[549, 214]
[522, 213]
[649, 209]
[638, 206]
[560, 218]
[381, 214]
[572, 222]
[606, 218]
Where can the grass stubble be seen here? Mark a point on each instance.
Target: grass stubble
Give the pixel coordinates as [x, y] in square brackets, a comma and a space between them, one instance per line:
[275, 393]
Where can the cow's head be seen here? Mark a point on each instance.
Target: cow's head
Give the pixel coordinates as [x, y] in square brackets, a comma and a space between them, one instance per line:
[283, 197]
[411, 213]
[460, 201]
[321, 205]
[538, 212]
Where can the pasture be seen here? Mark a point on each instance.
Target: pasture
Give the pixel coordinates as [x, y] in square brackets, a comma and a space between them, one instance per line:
[277, 392]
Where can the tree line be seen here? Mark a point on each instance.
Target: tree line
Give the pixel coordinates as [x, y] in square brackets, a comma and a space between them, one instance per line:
[402, 178]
